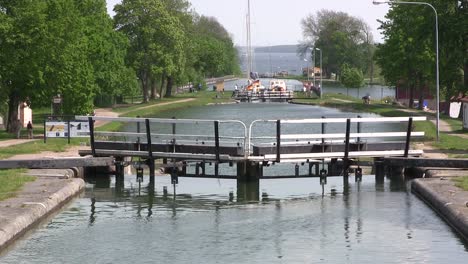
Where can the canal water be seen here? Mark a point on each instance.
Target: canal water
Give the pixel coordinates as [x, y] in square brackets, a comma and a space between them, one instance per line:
[271, 62]
[206, 221]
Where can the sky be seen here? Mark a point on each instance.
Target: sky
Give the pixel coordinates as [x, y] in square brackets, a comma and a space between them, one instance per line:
[278, 22]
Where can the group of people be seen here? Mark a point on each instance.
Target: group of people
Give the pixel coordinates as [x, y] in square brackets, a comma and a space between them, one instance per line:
[17, 126]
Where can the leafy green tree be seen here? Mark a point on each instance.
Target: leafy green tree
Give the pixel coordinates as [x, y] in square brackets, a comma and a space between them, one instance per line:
[351, 77]
[156, 40]
[342, 38]
[408, 55]
[65, 47]
[22, 53]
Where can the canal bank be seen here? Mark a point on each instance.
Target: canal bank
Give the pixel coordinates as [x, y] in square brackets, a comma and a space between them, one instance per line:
[191, 192]
[35, 202]
[448, 200]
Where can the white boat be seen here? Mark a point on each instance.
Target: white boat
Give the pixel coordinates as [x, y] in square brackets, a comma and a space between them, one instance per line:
[278, 85]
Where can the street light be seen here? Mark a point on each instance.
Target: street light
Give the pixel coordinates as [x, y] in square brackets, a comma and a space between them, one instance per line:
[321, 86]
[312, 57]
[437, 49]
[308, 70]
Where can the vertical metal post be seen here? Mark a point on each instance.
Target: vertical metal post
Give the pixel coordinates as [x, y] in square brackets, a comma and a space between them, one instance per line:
[173, 133]
[348, 128]
[45, 130]
[91, 135]
[68, 134]
[138, 130]
[216, 131]
[278, 140]
[323, 132]
[408, 136]
[150, 149]
[359, 130]
[345, 160]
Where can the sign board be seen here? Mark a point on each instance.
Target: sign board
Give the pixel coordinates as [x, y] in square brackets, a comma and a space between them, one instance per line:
[79, 129]
[57, 100]
[59, 129]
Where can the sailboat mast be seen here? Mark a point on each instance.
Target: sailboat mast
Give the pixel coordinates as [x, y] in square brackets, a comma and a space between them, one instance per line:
[249, 42]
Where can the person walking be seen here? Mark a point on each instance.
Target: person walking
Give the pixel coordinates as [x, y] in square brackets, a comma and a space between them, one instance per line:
[30, 130]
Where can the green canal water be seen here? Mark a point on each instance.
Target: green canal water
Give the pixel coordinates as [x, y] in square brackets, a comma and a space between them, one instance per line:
[205, 221]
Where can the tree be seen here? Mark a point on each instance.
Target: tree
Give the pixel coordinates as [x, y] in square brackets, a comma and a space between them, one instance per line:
[156, 40]
[342, 38]
[408, 54]
[351, 77]
[65, 47]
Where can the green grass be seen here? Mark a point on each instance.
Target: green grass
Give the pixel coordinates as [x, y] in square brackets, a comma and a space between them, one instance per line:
[11, 181]
[201, 98]
[462, 182]
[53, 144]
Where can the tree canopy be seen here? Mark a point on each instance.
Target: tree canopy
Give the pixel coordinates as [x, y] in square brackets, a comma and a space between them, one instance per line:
[341, 37]
[408, 55]
[75, 49]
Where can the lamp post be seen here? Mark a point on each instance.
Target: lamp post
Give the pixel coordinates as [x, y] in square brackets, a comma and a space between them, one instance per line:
[437, 49]
[312, 57]
[308, 70]
[321, 86]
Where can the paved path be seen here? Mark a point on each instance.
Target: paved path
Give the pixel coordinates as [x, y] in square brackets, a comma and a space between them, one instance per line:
[12, 142]
[73, 150]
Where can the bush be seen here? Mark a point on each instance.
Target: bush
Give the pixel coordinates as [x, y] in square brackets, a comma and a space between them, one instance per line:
[351, 77]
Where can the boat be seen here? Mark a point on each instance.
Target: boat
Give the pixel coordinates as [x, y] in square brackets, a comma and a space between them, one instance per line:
[255, 86]
[278, 85]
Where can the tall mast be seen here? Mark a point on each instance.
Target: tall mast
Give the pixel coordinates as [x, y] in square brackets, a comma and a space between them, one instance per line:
[249, 43]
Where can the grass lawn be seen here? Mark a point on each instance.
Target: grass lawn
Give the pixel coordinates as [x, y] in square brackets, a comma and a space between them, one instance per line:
[11, 181]
[53, 144]
[462, 182]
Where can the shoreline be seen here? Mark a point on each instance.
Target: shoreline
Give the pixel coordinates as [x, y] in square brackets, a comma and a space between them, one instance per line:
[27, 214]
[447, 200]
[34, 203]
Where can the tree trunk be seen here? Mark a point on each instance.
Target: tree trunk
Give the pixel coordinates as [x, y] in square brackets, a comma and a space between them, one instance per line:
[13, 103]
[170, 82]
[163, 80]
[153, 88]
[411, 95]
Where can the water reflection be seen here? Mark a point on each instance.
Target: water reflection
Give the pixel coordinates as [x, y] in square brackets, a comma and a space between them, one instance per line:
[211, 221]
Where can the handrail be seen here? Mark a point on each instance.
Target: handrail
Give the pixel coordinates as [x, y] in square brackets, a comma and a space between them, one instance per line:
[247, 136]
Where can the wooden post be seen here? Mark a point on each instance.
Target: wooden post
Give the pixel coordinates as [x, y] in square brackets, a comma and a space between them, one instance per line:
[359, 131]
[323, 132]
[45, 131]
[150, 150]
[408, 136]
[346, 155]
[91, 135]
[216, 131]
[278, 140]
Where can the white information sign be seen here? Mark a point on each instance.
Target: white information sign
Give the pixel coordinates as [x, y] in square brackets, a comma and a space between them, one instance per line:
[60, 129]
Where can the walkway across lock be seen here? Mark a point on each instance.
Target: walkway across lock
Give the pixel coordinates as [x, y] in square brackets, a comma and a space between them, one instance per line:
[197, 143]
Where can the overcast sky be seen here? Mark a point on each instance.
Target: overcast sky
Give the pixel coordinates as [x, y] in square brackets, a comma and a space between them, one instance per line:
[276, 22]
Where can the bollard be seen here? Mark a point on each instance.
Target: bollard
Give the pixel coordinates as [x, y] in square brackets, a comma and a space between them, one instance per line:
[165, 191]
[231, 196]
[296, 170]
